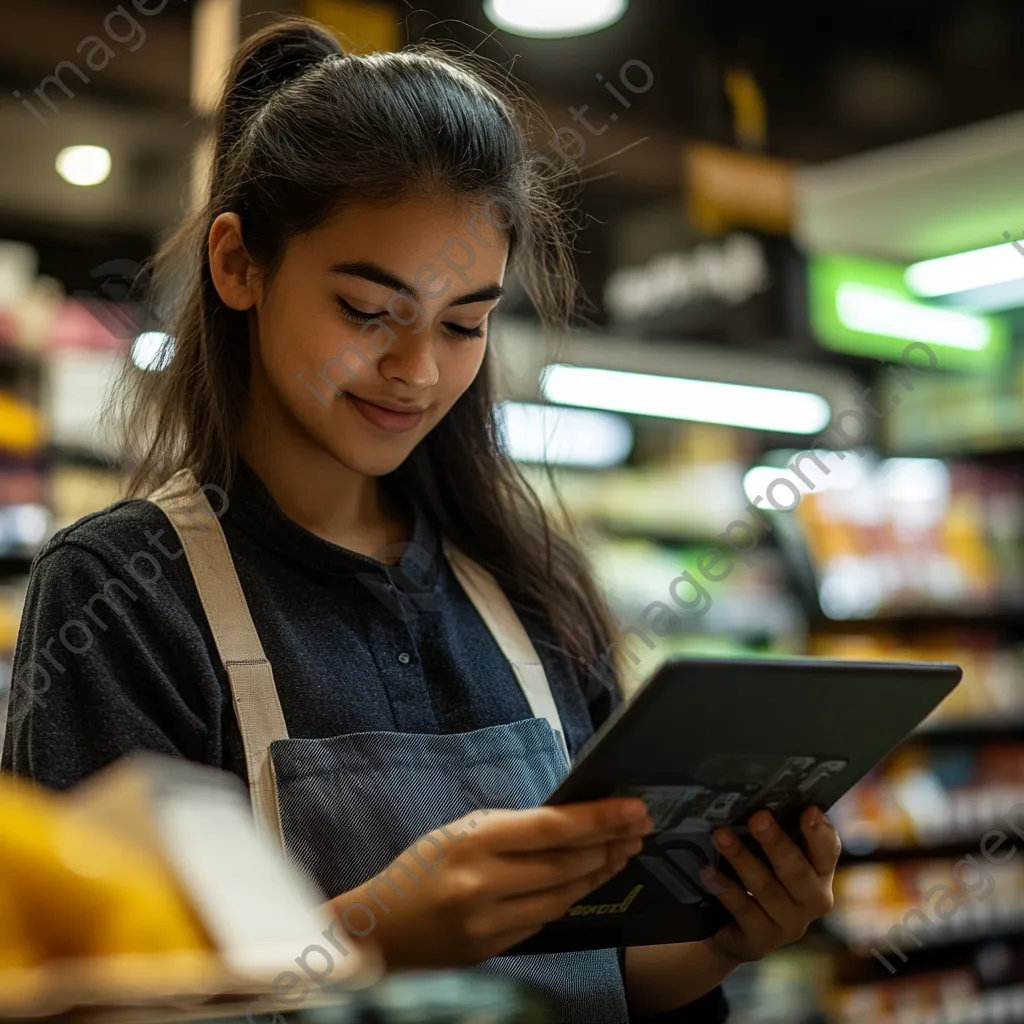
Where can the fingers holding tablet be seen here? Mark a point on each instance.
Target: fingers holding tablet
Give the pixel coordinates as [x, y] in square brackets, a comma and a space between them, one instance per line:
[757, 878]
[823, 843]
[777, 898]
[796, 869]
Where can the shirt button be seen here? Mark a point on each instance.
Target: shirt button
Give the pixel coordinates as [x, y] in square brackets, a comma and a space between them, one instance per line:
[404, 658]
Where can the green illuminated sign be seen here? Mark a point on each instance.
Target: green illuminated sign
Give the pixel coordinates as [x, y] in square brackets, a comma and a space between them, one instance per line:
[863, 307]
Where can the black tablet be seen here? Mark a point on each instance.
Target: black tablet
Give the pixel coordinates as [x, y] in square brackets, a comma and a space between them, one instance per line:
[707, 742]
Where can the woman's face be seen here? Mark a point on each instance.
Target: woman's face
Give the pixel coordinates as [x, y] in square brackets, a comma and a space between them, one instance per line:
[373, 325]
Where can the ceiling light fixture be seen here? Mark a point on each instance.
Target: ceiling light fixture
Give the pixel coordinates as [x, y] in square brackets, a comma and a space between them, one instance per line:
[962, 271]
[548, 19]
[83, 165]
[875, 311]
[677, 398]
[532, 432]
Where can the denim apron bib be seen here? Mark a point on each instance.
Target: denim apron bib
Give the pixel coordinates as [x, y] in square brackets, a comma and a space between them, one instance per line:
[344, 807]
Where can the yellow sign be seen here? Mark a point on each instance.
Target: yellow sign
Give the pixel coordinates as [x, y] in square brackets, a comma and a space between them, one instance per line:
[583, 909]
[360, 27]
[726, 188]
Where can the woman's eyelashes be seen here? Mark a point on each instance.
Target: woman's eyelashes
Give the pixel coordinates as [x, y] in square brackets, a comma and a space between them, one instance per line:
[361, 317]
[466, 332]
[357, 315]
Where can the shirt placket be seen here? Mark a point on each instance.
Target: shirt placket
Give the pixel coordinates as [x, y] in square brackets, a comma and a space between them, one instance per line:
[392, 632]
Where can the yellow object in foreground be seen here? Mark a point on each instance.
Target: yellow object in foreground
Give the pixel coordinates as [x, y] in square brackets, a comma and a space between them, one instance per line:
[69, 890]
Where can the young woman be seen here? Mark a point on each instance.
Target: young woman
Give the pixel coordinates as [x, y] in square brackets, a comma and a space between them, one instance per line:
[373, 624]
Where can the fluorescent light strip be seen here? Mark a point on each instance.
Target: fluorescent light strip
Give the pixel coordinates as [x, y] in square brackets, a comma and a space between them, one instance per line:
[533, 432]
[876, 311]
[677, 398]
[995, 264]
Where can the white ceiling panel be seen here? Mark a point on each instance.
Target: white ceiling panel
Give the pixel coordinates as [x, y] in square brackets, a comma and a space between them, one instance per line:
[941, 194]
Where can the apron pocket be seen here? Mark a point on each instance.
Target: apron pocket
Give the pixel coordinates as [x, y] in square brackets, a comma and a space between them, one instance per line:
[350, 804]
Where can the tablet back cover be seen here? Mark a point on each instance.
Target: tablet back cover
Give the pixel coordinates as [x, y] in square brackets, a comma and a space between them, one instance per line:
[707, 742]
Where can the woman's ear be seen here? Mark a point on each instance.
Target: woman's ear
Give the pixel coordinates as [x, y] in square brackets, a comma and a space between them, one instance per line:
[233, 272]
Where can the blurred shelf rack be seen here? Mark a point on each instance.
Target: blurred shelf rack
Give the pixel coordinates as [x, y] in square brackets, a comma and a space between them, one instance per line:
[15, 358]
[78, 455]
[669, 533]
[934, 618]
[14, 565]
[974, 729]
[952, 848]
[1004, 926]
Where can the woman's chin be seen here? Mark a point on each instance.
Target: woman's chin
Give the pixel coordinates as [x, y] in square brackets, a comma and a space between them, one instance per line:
[372, 460]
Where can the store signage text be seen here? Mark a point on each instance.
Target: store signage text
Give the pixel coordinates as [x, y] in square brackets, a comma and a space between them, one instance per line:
[730, 271]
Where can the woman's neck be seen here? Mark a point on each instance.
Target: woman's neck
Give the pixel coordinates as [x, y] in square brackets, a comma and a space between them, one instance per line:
[312, 488]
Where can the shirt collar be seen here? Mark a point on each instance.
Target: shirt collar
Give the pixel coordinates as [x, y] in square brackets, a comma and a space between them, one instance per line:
[253, 510]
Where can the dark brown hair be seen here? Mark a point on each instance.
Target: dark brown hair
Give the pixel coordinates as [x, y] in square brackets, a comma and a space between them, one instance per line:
[302, 130]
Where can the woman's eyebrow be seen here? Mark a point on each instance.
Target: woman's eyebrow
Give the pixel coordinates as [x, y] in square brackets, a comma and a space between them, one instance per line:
[376, 274]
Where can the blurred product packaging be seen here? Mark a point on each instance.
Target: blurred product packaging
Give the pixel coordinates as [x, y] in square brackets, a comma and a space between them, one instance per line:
[149, 885]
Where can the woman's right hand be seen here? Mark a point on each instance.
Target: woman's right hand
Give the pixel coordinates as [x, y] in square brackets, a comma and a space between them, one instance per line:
[474, 888]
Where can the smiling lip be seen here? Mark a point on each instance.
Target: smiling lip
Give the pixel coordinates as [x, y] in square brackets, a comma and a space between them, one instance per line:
[387, 417]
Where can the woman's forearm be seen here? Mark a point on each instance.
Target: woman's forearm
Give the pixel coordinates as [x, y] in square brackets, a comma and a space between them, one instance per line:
[665, 977]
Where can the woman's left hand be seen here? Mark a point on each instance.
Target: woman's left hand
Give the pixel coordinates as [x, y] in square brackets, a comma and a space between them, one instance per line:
[775, 904]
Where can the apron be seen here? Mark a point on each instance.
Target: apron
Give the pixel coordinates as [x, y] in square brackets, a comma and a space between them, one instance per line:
[344, 807]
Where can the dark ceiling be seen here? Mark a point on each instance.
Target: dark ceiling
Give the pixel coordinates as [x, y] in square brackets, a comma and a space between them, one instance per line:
[838, 77]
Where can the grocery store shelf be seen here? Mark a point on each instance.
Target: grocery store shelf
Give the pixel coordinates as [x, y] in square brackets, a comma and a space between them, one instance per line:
[668, 532]
[14, 565]
[12, 356]
[955, 730]
[952, 848]
[71, 455]
[763, 616]
[997, 1006]
[937, 617]
[970, 924]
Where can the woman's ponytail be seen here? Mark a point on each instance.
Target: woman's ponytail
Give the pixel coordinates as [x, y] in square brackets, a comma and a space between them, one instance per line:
[263, 63]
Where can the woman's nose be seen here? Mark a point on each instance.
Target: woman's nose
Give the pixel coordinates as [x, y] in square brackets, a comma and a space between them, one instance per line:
[411, 358]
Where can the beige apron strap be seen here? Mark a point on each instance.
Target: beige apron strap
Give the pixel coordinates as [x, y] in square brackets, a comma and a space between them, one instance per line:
[253, 692]
[498, 614]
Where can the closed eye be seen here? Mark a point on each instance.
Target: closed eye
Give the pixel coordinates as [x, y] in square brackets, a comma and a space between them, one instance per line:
[356, 314]
[360, 317]
[466, 332]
